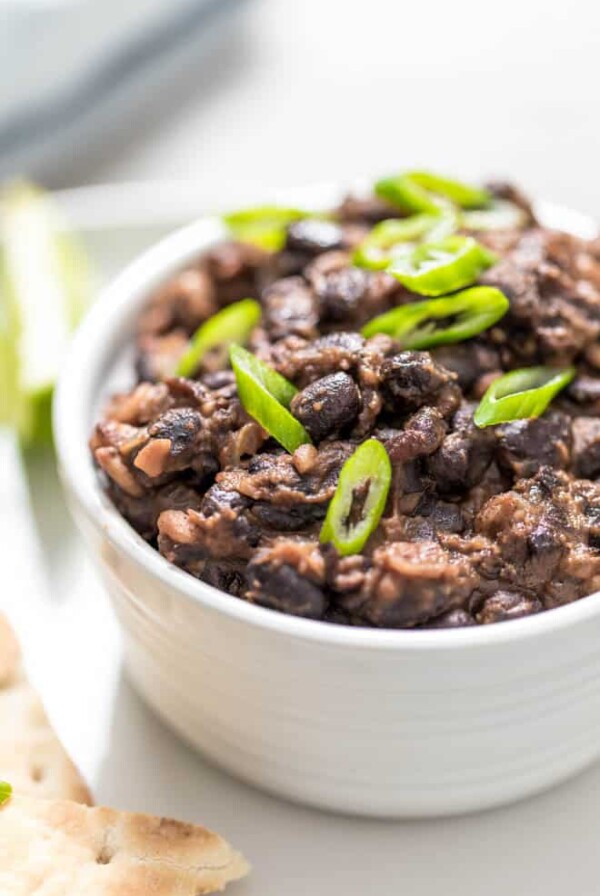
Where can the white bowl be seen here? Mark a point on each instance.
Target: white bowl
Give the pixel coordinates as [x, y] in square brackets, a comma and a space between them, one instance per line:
[382, 723]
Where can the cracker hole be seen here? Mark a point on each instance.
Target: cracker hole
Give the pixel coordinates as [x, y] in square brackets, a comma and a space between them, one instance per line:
[105, 856]
[38, 773]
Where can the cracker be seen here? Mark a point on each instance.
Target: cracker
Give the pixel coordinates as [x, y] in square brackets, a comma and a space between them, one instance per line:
[52, 847]
[31, 756]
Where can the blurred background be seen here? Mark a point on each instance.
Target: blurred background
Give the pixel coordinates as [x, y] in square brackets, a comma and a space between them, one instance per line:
[280, 92]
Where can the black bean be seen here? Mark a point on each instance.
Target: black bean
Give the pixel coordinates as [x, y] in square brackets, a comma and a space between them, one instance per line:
[327, 405]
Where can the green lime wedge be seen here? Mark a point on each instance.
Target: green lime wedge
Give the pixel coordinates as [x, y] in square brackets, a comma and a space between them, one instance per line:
[44, 289]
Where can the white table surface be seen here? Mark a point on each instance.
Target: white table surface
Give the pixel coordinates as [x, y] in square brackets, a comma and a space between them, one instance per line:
[299, 90]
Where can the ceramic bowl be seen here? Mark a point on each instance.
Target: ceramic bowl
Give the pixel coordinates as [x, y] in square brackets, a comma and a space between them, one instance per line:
[380, 723]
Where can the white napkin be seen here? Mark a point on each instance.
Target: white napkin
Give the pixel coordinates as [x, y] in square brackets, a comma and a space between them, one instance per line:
[61, 60]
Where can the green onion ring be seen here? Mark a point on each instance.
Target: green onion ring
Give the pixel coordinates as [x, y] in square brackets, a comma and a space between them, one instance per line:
[396, 236]
[263, 225]
[414, 325]
[501, 215]
[423, 191]
[434, 269]
[407, 195]
[266, 396]
[521, 394]
[369, 467]
[461, 194]
[232, 324]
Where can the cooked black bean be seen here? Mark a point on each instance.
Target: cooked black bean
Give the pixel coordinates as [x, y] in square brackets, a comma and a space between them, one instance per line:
[289, 576]
[290, 308]
[413, 379]
[328, 405]
[586, 446]
[458, 618]
[505, 605]
[464, 455]
[314, 235]
[527, 445]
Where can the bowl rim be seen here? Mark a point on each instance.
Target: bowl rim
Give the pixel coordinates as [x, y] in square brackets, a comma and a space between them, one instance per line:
[97, 340]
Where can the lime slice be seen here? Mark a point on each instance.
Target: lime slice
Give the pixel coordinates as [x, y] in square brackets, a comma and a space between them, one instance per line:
[9, 361]
[44, 288]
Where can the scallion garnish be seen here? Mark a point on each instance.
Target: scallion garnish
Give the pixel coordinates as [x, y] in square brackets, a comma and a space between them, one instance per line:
[232, 324]
[264, 225]
[359, 500]
[5, 792]
[407, 195]
[434, 269]
[396, 236]
[521, 394]
[461, 194]
[423, 191]
[501, 215]
[465, 314]
[266, 396]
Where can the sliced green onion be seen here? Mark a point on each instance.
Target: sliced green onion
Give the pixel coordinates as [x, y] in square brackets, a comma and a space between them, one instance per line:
[465, 314]
[11, 411]
[233, 324]
[396, 236]
[501, 215]
[423, 191]
[264, 225]
[434, 269]
[407, 195]
[365, 476]
[521, 394]
[260, 214]
[446, 224]
[266, 396]
[463, 195]
[5, 792]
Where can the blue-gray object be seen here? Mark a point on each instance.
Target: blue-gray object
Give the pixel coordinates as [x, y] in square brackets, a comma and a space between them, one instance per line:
[71, 67]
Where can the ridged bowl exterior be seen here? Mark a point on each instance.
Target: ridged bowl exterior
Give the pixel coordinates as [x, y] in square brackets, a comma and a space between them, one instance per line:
[358, 721]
